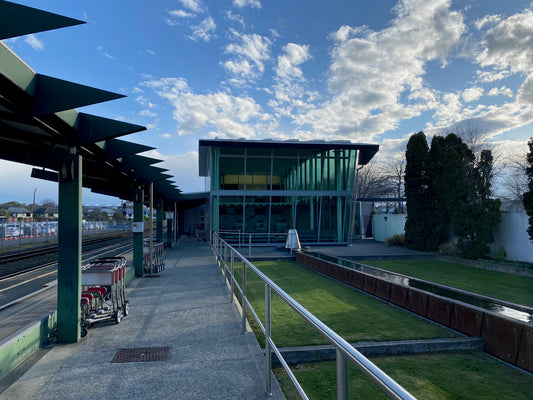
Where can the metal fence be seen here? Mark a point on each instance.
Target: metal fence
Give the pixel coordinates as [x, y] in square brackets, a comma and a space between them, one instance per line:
[14, 233]
[226, 257]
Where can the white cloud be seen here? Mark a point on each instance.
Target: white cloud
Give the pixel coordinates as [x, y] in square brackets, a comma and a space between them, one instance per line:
[181, 14]
[472, 94]
[288, 63]
[193, 5]
[166, 135]
[204, 30]
[34, 43]
[105, 54]
[501, 91]
[250, 52]
[147, 113]
[508, 44]
[235, 18]
[376, 78]
[217, 114]
[247, 3]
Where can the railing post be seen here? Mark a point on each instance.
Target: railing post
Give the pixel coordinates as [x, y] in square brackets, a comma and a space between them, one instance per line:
[268, 351]
[250, 245]
[342, 376]
[232, 283]
[243, 305]
[225, 261]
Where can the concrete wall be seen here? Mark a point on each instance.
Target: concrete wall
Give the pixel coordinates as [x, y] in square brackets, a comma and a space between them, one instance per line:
[512, 235]
[387, 225]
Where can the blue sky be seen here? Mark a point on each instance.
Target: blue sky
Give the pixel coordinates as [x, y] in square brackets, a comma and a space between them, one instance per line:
[369, 72]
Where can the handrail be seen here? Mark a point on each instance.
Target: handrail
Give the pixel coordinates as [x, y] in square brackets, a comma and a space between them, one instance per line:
[345, 351]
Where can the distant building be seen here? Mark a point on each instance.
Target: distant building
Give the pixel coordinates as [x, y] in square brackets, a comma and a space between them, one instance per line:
[268, 187]
[51, 213]
[20, 213]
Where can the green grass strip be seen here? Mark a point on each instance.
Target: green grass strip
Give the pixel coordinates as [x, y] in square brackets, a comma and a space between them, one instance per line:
[353, 315]
[469, 375]
[501, 285]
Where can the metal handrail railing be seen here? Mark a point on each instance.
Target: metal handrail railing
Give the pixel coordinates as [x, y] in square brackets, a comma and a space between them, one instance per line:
[345, 351]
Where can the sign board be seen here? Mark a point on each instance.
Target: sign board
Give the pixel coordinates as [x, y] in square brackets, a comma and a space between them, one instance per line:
[170, 215]
[137, 227]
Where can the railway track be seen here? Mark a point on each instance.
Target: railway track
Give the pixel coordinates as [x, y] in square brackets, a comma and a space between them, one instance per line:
[18, 262]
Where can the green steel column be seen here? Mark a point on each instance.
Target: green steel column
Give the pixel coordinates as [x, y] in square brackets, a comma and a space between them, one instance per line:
[159, 222]
[338, 186]
[138, 237]
[69, 252]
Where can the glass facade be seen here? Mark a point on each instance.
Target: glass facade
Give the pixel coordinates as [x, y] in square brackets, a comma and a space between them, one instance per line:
[268, 190]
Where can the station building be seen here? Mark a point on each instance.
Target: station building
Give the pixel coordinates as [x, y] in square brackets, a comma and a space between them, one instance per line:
[264, 188]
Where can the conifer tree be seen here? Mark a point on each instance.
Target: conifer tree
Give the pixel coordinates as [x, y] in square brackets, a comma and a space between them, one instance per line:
[417, 193]
[528, 196]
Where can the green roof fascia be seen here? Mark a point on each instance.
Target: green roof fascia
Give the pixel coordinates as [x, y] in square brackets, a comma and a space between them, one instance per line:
[136, 162]
[116, 148]
[53, 95]
[92, 129]
[16, 70]
[18, 20]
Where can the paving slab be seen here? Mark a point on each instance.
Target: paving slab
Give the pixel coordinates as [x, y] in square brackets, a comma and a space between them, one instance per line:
[186, 308]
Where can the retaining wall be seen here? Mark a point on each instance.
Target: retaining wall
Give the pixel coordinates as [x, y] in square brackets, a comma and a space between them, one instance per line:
[505, 338]
[17, 349]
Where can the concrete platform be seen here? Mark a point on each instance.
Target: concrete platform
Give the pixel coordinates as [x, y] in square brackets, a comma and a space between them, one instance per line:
[186, 308]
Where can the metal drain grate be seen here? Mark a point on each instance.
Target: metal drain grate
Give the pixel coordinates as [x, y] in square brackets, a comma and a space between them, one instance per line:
[142, 354]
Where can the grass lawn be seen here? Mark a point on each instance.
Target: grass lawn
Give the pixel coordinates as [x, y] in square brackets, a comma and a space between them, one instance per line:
[353, 315]
[501, 285]
[471, 375]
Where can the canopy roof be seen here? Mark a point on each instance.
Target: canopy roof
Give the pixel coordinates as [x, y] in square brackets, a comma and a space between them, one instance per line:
[40, 126]
[366, 151]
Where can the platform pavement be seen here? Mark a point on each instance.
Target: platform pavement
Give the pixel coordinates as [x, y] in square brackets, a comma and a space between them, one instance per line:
[186, 308]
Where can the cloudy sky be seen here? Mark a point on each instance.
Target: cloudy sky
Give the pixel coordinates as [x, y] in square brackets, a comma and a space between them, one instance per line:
[368, 72]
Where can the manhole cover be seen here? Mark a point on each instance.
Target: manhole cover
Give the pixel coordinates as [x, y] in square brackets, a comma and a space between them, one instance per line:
[142, 354]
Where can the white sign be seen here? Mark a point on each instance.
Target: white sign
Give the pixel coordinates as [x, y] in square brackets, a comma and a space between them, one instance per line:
[137, 227]
[170, 215]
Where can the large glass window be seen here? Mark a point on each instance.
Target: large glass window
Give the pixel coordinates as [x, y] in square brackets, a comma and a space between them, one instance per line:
[231, 173]
[258, 173]
[230, 214]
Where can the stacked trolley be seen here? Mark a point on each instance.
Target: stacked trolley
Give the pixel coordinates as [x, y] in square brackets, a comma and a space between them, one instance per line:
[158, 263]
[103, 295]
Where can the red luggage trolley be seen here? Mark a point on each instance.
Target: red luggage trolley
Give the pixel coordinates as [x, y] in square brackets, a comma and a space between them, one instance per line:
[103, 291]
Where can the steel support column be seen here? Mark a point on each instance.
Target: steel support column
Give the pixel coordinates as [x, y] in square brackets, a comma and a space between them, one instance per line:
[138, 237]
[69, 252]
[159, 222]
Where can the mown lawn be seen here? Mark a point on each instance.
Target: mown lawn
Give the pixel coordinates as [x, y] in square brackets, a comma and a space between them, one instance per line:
[501, 285]
[469, 375]
[353, 315]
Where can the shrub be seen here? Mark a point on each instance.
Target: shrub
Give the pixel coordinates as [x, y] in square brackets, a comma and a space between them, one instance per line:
[396, 240]
[449, 249]
[501, 254]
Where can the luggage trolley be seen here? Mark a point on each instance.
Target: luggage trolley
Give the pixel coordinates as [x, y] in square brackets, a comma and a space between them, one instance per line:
[103, 291]
[158, 262]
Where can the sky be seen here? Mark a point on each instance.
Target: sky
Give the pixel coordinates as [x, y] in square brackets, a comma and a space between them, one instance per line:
[363, 71]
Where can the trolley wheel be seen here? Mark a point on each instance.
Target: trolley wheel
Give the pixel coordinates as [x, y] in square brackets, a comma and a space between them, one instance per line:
[83, 332]
[126, 308]
[118, 316]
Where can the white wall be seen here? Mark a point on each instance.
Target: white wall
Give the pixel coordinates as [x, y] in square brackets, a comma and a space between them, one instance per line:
[512, 235]
[387, 225]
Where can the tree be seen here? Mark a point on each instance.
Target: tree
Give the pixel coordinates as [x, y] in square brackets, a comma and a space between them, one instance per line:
[450, 159]
[515, 182]
[417, 193]
[528, 196]
[475, 219]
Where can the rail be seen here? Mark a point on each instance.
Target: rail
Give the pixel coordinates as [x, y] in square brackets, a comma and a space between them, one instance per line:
[225, 254]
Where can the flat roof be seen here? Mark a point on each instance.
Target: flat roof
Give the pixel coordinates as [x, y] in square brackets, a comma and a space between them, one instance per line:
[367, 151]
